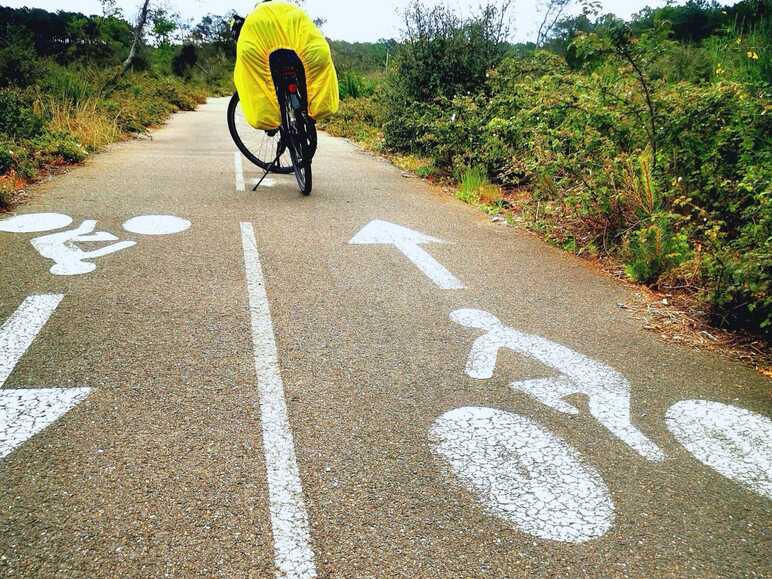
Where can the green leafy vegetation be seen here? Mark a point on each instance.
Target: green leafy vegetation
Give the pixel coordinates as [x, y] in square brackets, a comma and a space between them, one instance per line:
[647, 141]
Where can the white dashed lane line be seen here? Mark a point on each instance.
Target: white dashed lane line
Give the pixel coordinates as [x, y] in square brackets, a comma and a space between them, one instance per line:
[238, 166]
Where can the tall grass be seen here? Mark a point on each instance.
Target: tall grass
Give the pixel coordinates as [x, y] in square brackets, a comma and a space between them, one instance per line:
[475, 188]
[85, 120]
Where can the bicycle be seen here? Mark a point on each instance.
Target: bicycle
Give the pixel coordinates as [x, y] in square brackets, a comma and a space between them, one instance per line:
[291, 148]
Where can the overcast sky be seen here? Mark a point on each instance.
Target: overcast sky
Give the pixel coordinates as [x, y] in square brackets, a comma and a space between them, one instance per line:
[352, 20]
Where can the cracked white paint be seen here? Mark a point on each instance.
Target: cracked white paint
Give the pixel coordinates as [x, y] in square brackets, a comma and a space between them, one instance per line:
[70, 259]
[524, 474]
[24, 413]
[733, 441]
[408, 242]
[156, 225]
[35, 223]
[608, 391]
[294, 556]
[19, 331]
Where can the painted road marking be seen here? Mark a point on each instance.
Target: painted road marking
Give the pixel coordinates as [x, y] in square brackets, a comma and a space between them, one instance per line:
[735, 442]
[19, 331]
[35, 223]
[238, 165]
[408, 242]
[24, 413]
[156, 225]
[523, 474]
[608, 391]
[62, 247]
[69, 258]
[294, 556]
[267, 183]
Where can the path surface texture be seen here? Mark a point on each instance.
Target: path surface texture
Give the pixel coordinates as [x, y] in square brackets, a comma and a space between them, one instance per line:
[198, 380]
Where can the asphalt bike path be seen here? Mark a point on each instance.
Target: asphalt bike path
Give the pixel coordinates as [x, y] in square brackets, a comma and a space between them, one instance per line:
[372, 381]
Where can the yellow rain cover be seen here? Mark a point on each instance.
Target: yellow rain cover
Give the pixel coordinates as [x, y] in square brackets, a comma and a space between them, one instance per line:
[270, 27]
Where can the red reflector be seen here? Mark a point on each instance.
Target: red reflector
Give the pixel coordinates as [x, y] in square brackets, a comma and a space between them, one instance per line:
[293, 88]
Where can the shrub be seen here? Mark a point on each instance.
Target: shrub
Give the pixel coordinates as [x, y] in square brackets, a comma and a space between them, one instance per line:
[579, 144]
[656, 248]
[715, 142]
[72, 85]
[353, 85]
[445, 54]
[17, 118]
[358, 119]
[60, 147]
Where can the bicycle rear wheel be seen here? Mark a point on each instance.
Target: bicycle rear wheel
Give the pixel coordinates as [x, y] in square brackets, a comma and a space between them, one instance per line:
[257, 146]
[299, 145]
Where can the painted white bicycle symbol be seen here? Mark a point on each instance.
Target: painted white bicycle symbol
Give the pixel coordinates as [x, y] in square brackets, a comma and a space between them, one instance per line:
[529, 477]
[63, 247]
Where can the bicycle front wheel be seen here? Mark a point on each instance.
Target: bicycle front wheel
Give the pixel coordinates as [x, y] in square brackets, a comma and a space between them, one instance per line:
[257, 146]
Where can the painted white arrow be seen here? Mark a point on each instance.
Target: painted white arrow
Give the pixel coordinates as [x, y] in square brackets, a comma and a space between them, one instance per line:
[24, 413]
[408, 242]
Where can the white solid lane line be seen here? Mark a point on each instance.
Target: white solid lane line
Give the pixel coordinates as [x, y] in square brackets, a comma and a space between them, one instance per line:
[294, 556]
[18, 333]
[238, 165]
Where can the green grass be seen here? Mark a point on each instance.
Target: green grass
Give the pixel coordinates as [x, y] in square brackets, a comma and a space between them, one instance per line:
[473, 182]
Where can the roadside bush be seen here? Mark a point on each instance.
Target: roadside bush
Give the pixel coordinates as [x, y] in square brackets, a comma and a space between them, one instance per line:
[17, 119]
[715, 144]
[738, 272]
[357, 119]
[59, 147]
[656, 248]
[185, 59]
[72, 85]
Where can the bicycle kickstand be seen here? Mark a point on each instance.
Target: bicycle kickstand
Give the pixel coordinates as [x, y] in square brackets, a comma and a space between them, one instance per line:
[268, 170]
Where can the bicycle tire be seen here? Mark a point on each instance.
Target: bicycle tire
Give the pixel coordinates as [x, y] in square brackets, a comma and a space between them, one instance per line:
[259, 140]
[299, 148]
[302, 168]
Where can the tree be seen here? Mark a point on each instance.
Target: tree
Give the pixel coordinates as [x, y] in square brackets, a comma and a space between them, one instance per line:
[110, 9]
[164, 25]
[445, 54]
[139, 30]
[555, 10]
